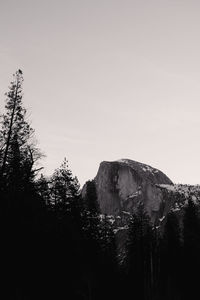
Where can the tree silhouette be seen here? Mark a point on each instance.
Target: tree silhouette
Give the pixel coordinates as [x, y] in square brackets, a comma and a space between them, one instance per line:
[191, 237]
[14, 124]
[170, 260]
[90, 197]
[22, 213]
[139, 253]
[64, 188]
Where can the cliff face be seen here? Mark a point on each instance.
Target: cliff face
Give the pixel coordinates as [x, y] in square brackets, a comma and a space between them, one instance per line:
[121, 185]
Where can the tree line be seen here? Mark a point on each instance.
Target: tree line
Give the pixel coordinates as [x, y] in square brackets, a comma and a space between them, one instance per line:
[57, 245]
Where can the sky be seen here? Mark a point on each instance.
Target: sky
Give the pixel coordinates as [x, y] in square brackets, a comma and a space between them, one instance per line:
[108, 79]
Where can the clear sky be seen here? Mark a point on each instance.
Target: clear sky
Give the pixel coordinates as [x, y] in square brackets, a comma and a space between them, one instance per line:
[108, 79]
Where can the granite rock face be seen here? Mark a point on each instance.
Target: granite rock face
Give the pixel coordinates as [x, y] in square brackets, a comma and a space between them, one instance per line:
[121, 185]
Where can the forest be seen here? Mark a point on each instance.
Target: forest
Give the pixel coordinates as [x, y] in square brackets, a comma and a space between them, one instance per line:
[56, 244]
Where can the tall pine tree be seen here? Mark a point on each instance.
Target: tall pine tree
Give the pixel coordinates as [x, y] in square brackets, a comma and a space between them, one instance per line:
[21, 210]
[18, 151]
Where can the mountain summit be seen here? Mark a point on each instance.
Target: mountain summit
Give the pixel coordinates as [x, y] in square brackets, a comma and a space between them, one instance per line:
[121, 185]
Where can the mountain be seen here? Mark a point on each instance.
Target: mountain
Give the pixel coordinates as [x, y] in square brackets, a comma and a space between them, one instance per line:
[121, 185]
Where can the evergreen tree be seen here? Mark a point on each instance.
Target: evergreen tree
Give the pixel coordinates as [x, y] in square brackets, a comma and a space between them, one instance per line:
[139, 254]
[92, 217]
[18, 151]
[191, 225]
[109, 263]
[64, 255]
[90, 197]
[14, 124]
[156, 262]
[191, 250]
[170, 283]
[43, 190]
[92, 239]
[21, 210]
[107, 239]
[64, 188]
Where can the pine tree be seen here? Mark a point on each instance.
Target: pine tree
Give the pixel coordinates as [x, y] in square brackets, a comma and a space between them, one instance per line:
[21, 210]
[64, 188]
[18, 151]
[139, 253]
[14, 124]
[92, 218]
[107, 240]
[170, 259]
[92, 239]
[43, 190]
[90, 198]
[191, 224]
[191, 249]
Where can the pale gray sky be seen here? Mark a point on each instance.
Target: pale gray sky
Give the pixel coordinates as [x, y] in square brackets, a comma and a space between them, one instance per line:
[108, 79]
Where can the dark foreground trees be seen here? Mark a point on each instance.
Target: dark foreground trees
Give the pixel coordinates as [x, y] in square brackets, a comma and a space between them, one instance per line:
[56, 245]
[170, 259]
[163, 263]
[21, 210]
[51, 240]
[191, 250]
